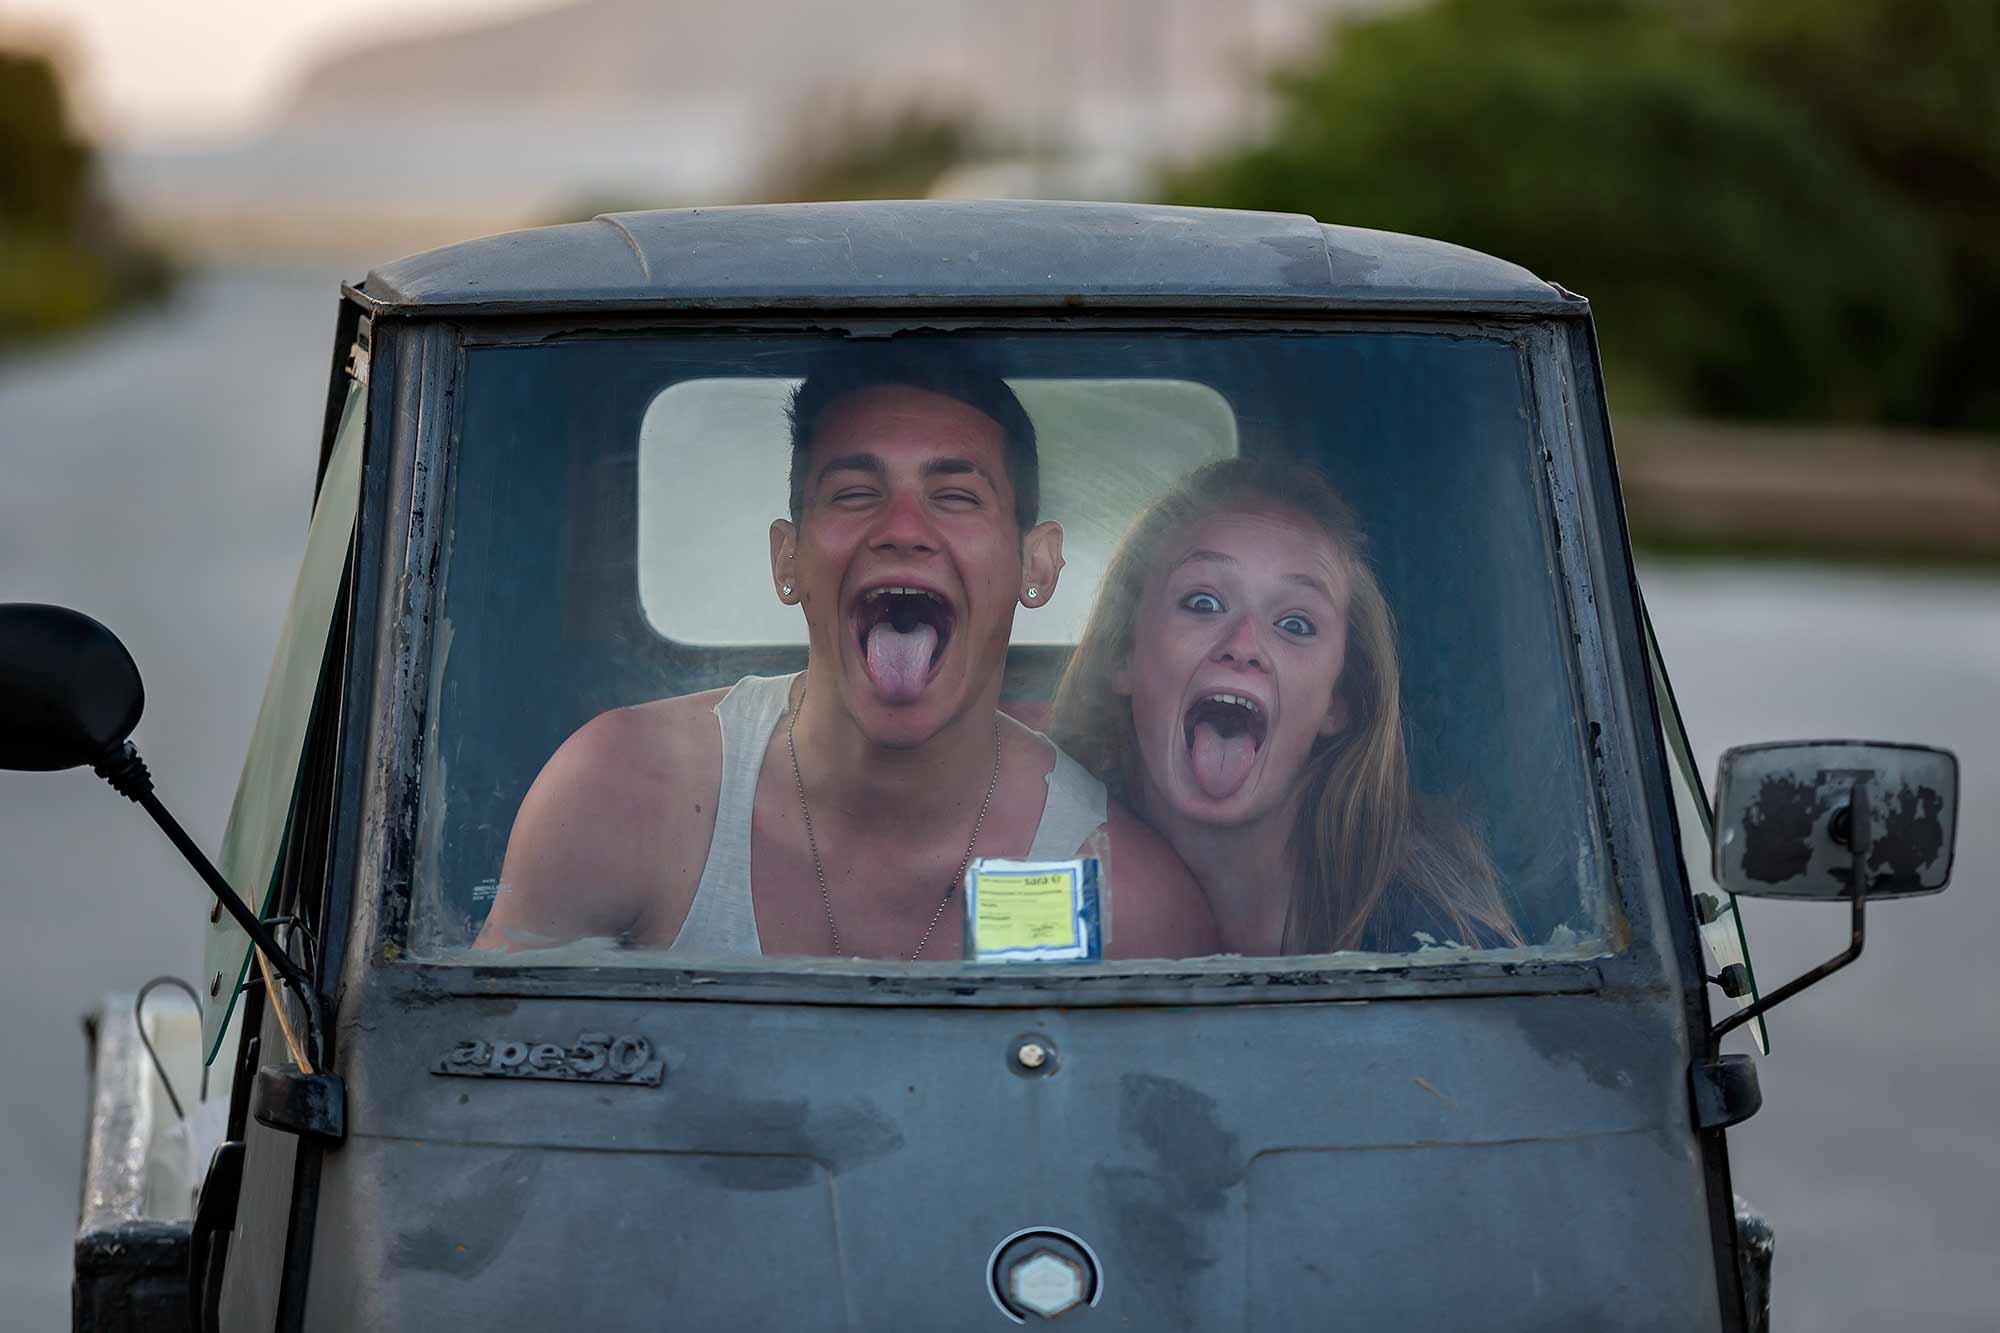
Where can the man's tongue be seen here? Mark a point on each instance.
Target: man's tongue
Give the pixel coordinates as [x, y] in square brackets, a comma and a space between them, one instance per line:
[1221, 763]
[899, 661]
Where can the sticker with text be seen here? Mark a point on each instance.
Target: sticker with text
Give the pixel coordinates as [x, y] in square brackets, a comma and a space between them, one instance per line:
[1033, 911]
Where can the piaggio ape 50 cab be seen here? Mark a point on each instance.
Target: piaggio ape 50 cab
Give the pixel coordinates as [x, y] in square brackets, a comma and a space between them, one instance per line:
[1353, 961]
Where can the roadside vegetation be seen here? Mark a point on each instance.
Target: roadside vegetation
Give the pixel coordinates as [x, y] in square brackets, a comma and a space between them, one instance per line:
[1786, 214]
[64, 261]
[1780, 209]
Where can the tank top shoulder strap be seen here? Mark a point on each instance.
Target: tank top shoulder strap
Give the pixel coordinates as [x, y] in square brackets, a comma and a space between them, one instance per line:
[722, 919]
[1075, 808]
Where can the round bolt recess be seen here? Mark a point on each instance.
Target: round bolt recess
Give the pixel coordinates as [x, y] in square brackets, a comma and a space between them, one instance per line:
[1041, 1273]
[1045, 1284]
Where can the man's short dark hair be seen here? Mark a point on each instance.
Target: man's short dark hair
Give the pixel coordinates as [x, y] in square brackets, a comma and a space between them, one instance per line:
[949, 371]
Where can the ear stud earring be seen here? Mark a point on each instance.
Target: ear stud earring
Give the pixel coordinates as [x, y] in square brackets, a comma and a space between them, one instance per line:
[785, 588]
[1033, 593]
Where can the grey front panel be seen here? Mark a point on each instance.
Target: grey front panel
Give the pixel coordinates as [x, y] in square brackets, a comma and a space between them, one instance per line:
[1542, 1234]
[535, 1236]
[1507, 1162]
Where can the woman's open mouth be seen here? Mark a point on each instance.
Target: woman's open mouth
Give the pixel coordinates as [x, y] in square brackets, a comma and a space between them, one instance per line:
[902, 632]
[1223, 733]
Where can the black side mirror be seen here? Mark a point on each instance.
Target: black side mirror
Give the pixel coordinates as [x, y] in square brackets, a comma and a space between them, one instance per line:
[1784, 826]
[69, 692]
[1833, 820]
[70, 695]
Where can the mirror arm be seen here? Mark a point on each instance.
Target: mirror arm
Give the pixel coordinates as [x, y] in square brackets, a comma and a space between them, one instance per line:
[126, 772]
[1855, 817]
[1791, 988]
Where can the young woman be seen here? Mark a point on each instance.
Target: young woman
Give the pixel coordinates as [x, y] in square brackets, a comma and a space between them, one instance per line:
[1237, 687]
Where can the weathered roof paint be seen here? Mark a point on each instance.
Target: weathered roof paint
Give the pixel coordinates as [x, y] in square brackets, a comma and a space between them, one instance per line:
[1001, 253]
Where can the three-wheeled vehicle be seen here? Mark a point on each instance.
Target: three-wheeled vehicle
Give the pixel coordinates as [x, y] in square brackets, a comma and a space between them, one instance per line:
[546, 482]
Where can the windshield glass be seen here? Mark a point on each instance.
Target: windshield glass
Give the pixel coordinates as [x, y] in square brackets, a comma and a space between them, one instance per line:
[1002, 646]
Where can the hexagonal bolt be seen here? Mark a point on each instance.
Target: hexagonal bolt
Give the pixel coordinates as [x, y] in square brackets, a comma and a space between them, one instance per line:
[1046, 1284]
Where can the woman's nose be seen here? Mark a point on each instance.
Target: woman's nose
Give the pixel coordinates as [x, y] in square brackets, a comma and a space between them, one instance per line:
[1243, 645]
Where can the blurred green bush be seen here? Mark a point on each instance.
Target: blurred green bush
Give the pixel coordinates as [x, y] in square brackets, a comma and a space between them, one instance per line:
[1781, 209]
[63, 259]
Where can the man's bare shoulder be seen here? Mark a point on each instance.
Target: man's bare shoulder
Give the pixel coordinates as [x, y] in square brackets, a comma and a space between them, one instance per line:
[1158, 911]
[614, 830]
[646, 774]
[661, 742]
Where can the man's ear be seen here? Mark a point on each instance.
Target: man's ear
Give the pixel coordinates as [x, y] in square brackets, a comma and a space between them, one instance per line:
[1041, 563]
[784, 560]
[1335, 720]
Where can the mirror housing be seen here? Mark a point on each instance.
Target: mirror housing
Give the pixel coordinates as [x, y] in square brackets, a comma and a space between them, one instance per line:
[1784, 829]
[69, 692]
[1845, 820]
[70, 695]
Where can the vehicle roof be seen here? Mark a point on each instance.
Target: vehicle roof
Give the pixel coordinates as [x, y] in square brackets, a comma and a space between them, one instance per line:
[938, 253]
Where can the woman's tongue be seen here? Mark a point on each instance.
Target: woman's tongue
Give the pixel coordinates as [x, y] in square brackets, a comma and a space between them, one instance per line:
[899, 661]
[1221, 763]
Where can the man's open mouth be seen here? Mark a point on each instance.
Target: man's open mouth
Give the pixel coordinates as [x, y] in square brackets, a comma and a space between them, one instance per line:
[902, 632]
[1223, 733]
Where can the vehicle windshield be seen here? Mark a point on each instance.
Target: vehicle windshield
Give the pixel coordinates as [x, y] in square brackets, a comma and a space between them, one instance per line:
[1018, 644]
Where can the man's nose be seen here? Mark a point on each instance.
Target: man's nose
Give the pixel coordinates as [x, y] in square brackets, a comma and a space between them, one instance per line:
[1243, 645]
[903, 526]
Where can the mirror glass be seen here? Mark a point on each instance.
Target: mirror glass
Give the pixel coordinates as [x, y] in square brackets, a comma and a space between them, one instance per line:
[1782, 830]
[69, 691]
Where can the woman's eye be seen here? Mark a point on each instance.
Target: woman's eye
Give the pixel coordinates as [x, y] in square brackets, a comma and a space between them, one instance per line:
[1201, 603]
[1299, 626]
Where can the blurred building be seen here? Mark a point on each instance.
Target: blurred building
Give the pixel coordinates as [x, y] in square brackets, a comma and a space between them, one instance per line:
[404, 141]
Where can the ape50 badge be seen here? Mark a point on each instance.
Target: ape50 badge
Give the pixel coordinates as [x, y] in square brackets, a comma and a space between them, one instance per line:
[594, 1057]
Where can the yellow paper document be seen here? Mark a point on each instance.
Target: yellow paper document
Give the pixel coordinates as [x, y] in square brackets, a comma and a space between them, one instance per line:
[1033, 911]
[1027, 911]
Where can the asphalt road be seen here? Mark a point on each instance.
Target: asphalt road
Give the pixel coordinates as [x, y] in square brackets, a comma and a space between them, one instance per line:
[157, 476]
[1877, 1154]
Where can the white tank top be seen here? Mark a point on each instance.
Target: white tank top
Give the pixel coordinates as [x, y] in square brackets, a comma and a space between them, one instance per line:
[721, 919]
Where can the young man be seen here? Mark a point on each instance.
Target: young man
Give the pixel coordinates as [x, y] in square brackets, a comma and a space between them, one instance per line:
[834, 812]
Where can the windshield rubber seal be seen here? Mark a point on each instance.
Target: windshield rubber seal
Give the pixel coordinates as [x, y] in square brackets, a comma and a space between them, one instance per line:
[429, 366]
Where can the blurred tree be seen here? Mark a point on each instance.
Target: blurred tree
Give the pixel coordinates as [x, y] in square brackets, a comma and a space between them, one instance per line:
[1740, 262]
[44, 173]
[63, 260]
[1911, 90]
[850, 150]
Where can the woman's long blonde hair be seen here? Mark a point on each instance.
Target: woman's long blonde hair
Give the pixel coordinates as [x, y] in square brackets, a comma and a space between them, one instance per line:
[1360, 831]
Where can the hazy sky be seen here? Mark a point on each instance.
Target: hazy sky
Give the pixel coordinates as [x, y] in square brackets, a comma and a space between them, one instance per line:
[168, 69]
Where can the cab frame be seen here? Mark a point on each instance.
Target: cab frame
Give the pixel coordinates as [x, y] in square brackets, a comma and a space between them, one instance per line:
[350, 860]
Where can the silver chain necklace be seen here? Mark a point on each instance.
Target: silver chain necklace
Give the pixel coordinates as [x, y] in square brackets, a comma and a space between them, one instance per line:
[825, 899]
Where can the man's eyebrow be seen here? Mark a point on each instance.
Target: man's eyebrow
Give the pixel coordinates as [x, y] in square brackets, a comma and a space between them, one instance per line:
[851, 463]
[955, 467]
